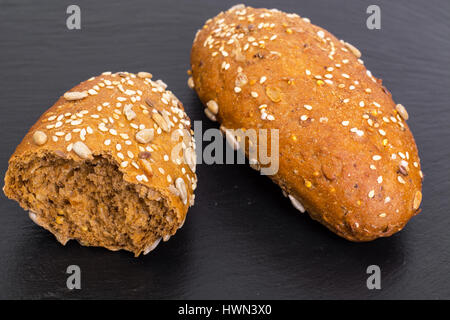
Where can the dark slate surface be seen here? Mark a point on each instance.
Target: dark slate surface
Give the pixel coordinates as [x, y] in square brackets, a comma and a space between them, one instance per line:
[242, 239]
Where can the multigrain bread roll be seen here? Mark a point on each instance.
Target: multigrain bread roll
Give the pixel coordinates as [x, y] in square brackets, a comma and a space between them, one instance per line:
[111, 164]
[346, 154]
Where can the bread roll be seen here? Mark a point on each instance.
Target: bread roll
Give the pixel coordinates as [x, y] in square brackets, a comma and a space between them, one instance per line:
[99, 166]
[346, 154]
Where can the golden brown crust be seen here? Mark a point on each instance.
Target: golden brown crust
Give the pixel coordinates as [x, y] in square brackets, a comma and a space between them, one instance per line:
[346, 153]
[110, 116]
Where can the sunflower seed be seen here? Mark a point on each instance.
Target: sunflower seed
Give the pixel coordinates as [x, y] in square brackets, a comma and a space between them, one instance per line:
[165, 114]
[213, 106]
[39, 138]
[145, 136]
[152, 246]
[191, 83]
[417, 200]
[81, 150]
[160, 121]
[297, 205]
[210, 115]
[128, 112]
[74, 95]
[144, 75]
[353, 49]
[147, 167]
[402, 111]
[190, 158]
[179, 183]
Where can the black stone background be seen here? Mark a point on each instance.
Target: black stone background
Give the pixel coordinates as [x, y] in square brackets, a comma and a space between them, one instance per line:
[242, 239]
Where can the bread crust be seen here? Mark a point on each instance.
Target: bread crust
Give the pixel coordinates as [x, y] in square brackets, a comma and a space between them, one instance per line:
[346, 153]
[110, 116]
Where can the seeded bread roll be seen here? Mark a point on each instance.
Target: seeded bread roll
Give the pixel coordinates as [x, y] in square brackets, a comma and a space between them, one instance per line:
[346, 154]
[111, 164]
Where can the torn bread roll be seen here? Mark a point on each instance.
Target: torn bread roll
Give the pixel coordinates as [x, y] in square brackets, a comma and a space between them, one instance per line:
[346, 154]
[111, 164]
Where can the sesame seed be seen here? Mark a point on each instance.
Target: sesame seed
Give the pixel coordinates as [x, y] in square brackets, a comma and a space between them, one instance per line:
[345, 123]
[380, 179]
[401, 180]
[307, 107]
[304, 117]
[371, 193]
[263, 79]
[376, 157]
